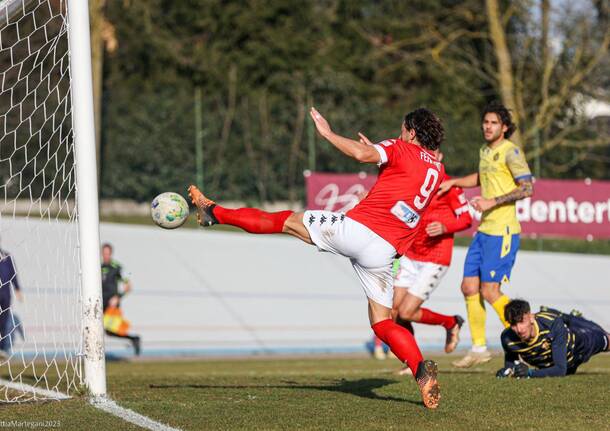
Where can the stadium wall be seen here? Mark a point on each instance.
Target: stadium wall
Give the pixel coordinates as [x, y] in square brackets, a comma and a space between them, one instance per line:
[214, 292]
[210, 292]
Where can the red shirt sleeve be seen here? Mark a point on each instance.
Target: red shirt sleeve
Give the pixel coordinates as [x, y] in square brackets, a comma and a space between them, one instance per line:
[387, 150]
[459, 204]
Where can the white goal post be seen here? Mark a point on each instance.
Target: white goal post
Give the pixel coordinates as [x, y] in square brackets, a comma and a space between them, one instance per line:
[52, 342]
[87, 194]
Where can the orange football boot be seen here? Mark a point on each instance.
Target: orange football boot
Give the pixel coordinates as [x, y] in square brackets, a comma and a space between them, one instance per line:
[427, 372]
[205, 216]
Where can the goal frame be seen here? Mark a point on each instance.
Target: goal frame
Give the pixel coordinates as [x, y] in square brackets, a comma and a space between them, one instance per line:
[87, 196]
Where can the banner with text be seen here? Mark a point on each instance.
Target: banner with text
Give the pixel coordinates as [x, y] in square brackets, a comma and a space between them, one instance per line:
[568, 208]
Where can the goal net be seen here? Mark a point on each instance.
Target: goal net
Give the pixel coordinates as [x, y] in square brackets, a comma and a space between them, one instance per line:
[41, 335]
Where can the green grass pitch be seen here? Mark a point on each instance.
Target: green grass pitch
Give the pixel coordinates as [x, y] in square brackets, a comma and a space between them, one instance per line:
[332, 393]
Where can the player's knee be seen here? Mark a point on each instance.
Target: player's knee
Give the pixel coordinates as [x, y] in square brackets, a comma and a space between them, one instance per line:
[293, 222]
[293, 225]
[490, 291]
[470, 287]
[406, 313]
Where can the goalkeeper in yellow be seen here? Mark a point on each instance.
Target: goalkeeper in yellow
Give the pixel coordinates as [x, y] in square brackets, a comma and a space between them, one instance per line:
[505, 178]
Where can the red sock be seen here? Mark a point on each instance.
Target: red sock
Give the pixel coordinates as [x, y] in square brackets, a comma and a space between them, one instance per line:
[251, 219]
[401, 343]
[429, 317]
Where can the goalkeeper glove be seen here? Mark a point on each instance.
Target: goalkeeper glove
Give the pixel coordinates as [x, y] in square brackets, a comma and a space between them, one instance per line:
[521, 370]
[504, 372]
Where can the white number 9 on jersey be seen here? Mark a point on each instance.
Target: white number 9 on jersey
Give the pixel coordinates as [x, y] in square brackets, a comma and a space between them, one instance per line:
[426, 188]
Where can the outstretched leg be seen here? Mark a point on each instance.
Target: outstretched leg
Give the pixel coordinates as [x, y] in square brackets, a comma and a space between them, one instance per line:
[251, 220]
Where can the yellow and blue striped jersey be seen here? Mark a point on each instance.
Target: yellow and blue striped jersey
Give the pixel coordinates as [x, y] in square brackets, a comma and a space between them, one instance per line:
[561, 344]
[499, 169]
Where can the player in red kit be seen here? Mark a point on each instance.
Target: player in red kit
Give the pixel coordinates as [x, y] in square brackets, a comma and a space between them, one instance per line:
[382, 225]
[425, 263]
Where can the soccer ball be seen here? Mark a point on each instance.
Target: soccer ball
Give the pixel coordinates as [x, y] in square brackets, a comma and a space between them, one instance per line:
[169, 210]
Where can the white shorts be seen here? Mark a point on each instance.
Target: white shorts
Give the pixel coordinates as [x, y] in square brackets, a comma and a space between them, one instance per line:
[371, 256]
[421, 278]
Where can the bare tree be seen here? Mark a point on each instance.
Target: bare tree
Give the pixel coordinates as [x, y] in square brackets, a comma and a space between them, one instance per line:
[541, 78]
[504, 68]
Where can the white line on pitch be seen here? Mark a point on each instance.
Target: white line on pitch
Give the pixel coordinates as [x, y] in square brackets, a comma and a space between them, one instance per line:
[101, 403]
[23, 387]
[113, 408]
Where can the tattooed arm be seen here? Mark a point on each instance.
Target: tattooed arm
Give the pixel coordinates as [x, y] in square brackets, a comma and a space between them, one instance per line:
[524, 189]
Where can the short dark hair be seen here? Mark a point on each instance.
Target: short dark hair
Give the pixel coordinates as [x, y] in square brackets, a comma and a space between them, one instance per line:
[107, 245]
[515, 310]
[428, 128]
[503, 113]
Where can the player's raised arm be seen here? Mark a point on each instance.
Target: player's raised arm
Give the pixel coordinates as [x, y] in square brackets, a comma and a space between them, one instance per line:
[466, 182]
[360, 151]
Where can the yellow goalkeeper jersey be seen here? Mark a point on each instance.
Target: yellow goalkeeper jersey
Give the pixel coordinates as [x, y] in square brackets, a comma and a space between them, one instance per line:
[499, 169]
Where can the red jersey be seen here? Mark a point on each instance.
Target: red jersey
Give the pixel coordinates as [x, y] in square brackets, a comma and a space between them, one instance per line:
[408, 178]
[450, 209]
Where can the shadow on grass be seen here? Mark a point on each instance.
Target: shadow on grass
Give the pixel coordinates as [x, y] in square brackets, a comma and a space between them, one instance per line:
[465, 371]
[363, 388]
